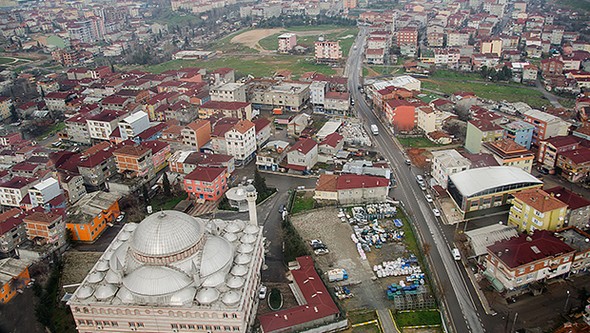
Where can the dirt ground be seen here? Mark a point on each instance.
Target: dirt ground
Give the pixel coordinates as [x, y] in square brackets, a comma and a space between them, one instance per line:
[369, 293]
[77, 265]
[417, 156]
[289, 300]
[250, 38]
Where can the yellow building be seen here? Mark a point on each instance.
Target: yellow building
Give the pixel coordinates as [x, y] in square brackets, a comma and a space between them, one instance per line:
[5, 107]
[14, 276]
[536, 209]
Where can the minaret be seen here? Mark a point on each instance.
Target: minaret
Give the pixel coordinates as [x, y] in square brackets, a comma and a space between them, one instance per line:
[251, 198]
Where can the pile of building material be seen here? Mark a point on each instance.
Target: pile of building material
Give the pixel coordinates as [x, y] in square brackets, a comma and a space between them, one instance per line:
[354, 134]
[401, 267]
[343, 292]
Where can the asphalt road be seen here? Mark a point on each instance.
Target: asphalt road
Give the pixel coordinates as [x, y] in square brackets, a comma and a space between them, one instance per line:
[456, 294]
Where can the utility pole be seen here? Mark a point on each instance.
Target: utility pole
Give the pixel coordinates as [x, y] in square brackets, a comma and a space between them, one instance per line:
[514, 322]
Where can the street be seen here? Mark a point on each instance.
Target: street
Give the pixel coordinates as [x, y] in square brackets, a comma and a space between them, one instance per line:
[457, 293]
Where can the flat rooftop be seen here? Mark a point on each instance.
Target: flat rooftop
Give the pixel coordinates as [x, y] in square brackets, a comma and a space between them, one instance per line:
[575, 238]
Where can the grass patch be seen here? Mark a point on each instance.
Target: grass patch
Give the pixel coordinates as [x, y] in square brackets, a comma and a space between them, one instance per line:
[57, 127]
[385, 69]
[275, 299]
[569, 103]
[302, 203]
[262, 66]
[489, 90]
[270, 43]
[328, 31]
[409, 238]
[417, 318]
[374, 328]
[177, 18]
[419, 142]
[321, 27]
[576, 4]
[361, 316]
[161, 202]
[446, 74]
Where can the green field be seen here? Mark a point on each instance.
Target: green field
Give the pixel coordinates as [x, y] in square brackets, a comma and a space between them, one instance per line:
[576, 4]
[373, 328]
[302, 203]
[454, 75]
[419, 142]
[490, 90]
[226, 46]
[418, 318]
[271, 43]
[262, 66]
[361, 316]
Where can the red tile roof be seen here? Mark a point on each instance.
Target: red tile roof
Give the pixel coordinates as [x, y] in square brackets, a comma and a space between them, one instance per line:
[219, 105]
[18, 182]
[205, 174]
[561, 141]
[485, 125]
[10, 219]
[350, 181]
[525, 249]
[260, 124]
[243, 126]
[155, 145]
[319, 303]
[332, 140]
[578, 156]
[304, 145]
[573, 200]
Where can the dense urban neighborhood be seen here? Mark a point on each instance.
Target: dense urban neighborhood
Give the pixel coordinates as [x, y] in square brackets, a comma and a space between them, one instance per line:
[272, 166]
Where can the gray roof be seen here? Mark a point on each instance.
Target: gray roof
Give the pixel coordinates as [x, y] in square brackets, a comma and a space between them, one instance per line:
[450, 158]
[481, 238]
[473, 181]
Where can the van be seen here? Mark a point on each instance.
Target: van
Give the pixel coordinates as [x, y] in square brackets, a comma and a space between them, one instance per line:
[456, 254]
[419, 179]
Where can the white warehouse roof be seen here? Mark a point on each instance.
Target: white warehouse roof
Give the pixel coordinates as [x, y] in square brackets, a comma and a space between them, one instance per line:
[473, 181]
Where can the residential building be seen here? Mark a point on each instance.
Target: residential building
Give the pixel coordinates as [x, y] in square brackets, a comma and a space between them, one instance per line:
[134, 161]
[546, 126]
[5, 107]
[406, 36]
[160, 153]
[426, 119]
[578, 240]
[287, 42]
[331, 145]
[271, 155]
[263, 128]
[401, 114]
[550, 149]
[481, 191]
[492, 46]
[290, 96]
[197, 133]
[103, 124]
[297, 124]
[317, 91]
[327, 51]
[241, 141]
[574, 165]
[509, 153]
[303, 155]
[133, 125]
[535, 209]
[46, 228]
[480, 131]
[207, 184]
[73, 186]
[551, 66]
[308, 287]
[578, 207]
[521, 261]
[12, 231]
[14, 277]
[184, 162]
[351, 189]
[97, 165]
[88, 218]
[519, 131]
[240, 110]
[229, 92]
[77, 129]
[220, 285]
[337, 103]
[56, 101]
[43, 192]
[479, 239]
[446, 163]
[375, 56]
[14, 190]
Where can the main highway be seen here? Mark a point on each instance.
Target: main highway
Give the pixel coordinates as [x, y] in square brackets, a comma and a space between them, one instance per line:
[460, 304]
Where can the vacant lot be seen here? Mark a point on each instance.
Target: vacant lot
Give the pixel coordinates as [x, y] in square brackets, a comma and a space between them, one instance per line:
[418, 142]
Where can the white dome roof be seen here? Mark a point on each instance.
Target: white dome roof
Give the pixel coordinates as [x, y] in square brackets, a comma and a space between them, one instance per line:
[251, 229]
[235, 282]
[130, 226]
[102, 266]
[248, 238]
[239, 270]
[95, 277]
[230, 237]
[242, 259]
[156, 280]
[125, 296]
[84, 292]
[106, 291]
[234, 226]
[125, 235]
[166, 233]
[183, 297]
[230, 298]
[214, 280]
[245, 248]
[113, 277]
[217, 254]
[207, 295]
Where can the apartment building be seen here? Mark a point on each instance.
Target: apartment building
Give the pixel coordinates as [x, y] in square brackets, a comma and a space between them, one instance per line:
[445, 163]
[535, 209]
[578, 207]
[77, 129]
[89, 217]
[574, 165]
[303, 155]
[134, 161]
[5, 107]
[12, 230]
[550, 149]
[480, 131]
[184, 162]
[133, 125]
[103, 124]
[519, 131]
[401, 114]
[197, 133]
[327, 51]
[546, 126]
[240, 110]
[208, 184]
[241, 141]
[287, 42]
[14, 190]
[43, 192]
[229, 92]
[46, 228]
[509, 153]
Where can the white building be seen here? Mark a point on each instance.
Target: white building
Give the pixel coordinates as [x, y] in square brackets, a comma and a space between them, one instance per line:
[446, 163]
[103, 124]
[229, 92]
[14, 190]
[328, 51]
[317, 91]
[44, 191]
[133, 125]
[241, 141]
[173, 273]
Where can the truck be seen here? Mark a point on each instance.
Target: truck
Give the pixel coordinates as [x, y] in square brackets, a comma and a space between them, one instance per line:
[338, 274]
[374, 129]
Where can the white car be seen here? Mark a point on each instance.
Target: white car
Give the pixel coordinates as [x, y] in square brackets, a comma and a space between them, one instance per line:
[436, 212]
[120, 217]
[428, 198]
[262, 292]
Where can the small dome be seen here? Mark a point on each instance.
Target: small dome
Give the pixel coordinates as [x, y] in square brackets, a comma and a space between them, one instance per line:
[166, 233]
[248, 238]
[230, 237]
[243, 259]
[251, 229]
[235, 282]
[125, 235]
[183, 297]
[116, 244]
[155, 281]
[130, 226]
[230, 298]
[106, 291]
[234, 226]
[125, 296]
[239, 270]
[84, 292]
[95, 277]
[217, 254]
[113, 277]
[102, 266]
[207, 295]
[245, 248]
[214, 280]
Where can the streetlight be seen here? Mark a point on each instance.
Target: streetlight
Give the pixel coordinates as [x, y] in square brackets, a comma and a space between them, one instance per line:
[566, 301]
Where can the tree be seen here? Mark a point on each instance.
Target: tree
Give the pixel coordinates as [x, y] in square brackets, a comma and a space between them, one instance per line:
[13, 114]
[146, 196]
[260, 184]
[166, 185]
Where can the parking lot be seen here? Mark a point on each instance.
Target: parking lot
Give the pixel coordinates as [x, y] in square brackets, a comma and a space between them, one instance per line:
[369, 291]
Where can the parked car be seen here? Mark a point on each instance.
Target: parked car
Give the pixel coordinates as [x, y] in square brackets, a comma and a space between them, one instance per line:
[428, 198]
[120, 217]
[436, 212]
[262, 292]
[456, 254]
[408, 162]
